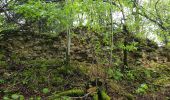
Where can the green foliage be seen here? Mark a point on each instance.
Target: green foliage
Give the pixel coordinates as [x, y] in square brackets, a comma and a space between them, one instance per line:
[130, 47]
[57, 17]
[13, 97]
[100, 95]
[3, 63]
[162, 81]
[6, 98]
[140, 75]
[142, 89]
[130, 75]
[95, 97]
[35, 98]
[39, 72]
[35, 10]
[45, 90]
[2, 81]
[54, 16]
[115, 74]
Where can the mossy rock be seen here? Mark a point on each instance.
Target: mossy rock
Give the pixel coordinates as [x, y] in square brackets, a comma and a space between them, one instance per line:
[68, 93]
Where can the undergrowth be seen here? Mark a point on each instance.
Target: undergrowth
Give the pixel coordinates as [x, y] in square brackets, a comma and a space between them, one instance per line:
[50, 78]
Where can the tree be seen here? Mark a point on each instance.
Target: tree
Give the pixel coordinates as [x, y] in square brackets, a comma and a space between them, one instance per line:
[159, 15]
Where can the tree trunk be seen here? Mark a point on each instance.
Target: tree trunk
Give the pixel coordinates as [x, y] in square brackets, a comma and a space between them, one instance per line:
[111, 40]
[68, 47]
[135, 6]
[125, 54]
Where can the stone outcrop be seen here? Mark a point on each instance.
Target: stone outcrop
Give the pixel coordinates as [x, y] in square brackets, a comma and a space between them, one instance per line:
[30, 46]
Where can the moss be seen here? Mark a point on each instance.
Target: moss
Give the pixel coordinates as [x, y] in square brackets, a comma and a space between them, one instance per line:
[3, 64]
[129, 96]
[104, 96]
[92, 90]
[162, 81]
[95, 97]
[70, 93]
[115, 87]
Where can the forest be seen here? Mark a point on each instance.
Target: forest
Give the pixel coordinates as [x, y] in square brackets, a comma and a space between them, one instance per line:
[84, 49]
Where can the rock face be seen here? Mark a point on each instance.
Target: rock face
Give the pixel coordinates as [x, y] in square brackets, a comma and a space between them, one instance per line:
[84, 48]
[29, 46]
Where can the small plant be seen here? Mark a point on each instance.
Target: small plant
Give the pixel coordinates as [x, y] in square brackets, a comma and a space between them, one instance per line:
[6, 98]
[147, 73]
[142, 89]
[46, 90]
[35, 98]
[130, 75]
[2, 81]
[115, 74]
[15, 96]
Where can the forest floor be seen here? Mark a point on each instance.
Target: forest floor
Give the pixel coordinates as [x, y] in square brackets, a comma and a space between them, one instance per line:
[36, 83]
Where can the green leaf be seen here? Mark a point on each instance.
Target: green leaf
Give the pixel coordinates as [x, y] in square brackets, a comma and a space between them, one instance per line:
[6, 98]
[15, 96]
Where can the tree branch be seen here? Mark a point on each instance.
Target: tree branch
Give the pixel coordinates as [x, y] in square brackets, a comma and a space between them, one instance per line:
[153, 20]
[158, 15]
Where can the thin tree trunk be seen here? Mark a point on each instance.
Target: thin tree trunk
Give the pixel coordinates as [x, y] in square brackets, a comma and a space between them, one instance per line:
[135, 6]
[125, 42]
[125, 52]
[68, 40]
[125, 58]
[68, 46]
[111, 40]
